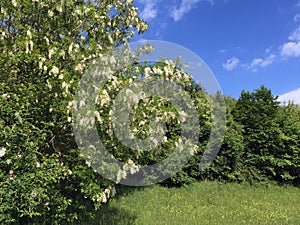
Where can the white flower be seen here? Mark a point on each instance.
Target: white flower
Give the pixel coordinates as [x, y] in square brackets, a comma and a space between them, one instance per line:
[70, 49]
[77, 11]
[194, 150]
[97, 115]
[147, 71]
[168, 70]
[88, 163]
[157, 71]
[52, 52]
[59, 8]
[142, 123]
[61, 76]
[77, 47]
[34, 193]
[29, 34]
[37, 165]
[62, 54]
[104, 199]
[4, 96]
[186, 77]
[47, 40]
[27, 49]
[2, 152]
[165, 139]
[79, 67]
[14, 3]
[182, 115]
[54, 70]
[134, 169]
[105, 99]
[64, 84]
[107, 191]
[110, 39]
[87, 10]
[50, 13]
[3, 35]
[8, 161]
[41, 62]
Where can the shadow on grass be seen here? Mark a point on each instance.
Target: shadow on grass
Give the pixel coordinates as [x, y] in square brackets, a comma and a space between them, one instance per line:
[112, 216]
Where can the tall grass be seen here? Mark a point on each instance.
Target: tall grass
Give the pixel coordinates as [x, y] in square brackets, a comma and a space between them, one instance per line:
[203, 203]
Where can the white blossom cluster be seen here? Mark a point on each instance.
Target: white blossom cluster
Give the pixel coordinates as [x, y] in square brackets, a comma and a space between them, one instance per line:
[105, 195]
[145, 111]
[2, 152]
[128, 167]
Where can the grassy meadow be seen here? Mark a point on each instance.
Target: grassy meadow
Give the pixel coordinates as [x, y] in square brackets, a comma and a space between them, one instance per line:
[203, 203]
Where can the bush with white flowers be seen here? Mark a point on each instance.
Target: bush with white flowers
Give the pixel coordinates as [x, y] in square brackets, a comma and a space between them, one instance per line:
[45, 47]
[147, 111]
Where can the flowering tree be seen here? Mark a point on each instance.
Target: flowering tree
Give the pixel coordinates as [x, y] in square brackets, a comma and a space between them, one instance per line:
[154, 127]
[45, 47]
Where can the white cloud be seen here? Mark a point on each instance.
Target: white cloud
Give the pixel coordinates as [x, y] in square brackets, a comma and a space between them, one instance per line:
[259, 62]
[293, 96]
[268, 60]
[150, 10]
[231, 64]
[185, 6]
[292, 47]
[295, 36]
[256, 62]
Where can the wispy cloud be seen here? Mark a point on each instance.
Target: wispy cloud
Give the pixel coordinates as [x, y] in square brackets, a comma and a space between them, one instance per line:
[185, 6]
[297, 17]
[295, 36]
[260, 62]
[223, 50]
[293, 96]
[231, 64]
[150, 9]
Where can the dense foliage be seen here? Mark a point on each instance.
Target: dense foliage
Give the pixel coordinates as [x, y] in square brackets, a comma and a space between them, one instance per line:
[45, 48]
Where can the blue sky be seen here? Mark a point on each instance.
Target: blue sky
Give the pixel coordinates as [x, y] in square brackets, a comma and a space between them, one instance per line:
[246, 43]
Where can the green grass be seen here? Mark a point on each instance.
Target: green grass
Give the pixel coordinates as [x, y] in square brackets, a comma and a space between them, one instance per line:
[203, 203]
